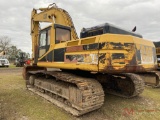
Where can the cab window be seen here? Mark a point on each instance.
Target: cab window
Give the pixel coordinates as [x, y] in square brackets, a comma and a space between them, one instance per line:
[44, 38]
[62, 35]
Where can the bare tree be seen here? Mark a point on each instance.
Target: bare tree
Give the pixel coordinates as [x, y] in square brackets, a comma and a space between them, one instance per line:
[4, 43]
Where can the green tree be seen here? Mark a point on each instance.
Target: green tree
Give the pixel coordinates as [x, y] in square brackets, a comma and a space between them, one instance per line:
[5, 43]
[13, 52]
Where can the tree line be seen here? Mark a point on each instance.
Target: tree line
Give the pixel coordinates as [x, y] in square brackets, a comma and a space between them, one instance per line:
[11, 51]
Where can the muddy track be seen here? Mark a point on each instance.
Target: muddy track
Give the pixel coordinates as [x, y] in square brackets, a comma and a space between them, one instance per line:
[89, 91]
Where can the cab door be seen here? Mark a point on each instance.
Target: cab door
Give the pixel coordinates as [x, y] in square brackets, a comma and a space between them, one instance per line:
[44, 43]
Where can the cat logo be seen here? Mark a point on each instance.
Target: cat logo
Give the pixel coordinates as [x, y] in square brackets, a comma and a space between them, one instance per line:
[45, 16]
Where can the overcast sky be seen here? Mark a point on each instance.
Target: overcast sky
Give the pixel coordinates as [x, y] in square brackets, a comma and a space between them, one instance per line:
[145, 14]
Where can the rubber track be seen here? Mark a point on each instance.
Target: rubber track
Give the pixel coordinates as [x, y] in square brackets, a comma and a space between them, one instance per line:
[138, 86]
[92, 93]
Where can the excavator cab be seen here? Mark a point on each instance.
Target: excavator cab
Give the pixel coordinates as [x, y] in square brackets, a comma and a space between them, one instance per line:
[61, 35]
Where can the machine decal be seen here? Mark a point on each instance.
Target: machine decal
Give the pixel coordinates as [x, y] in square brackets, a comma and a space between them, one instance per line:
[145, 54]
[82, 58]
[45, 16]
[82, 47]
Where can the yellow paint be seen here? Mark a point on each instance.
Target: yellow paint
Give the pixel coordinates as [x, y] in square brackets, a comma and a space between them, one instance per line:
[62, 65]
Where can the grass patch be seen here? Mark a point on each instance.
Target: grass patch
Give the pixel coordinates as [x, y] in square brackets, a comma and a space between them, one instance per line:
[12, 65]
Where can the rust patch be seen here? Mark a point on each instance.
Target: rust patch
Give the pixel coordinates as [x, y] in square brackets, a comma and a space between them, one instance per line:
[74, 49]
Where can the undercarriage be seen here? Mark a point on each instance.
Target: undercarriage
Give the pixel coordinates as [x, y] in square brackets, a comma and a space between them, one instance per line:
[79, 93]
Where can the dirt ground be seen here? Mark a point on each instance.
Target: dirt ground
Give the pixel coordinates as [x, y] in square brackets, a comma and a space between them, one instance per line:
[17, 103]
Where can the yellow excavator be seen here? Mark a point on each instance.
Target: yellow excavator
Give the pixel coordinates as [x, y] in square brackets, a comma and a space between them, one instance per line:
[106, 57]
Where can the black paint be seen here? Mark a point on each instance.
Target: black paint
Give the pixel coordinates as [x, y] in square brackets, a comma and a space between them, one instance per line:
[59, 55]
